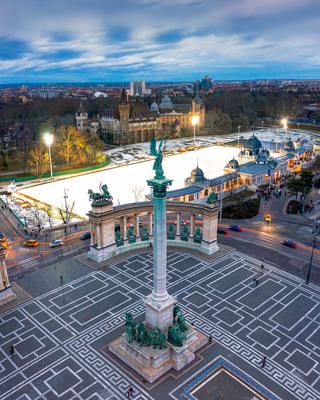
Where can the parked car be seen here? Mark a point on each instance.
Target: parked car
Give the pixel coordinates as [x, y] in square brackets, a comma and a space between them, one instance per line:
[290, 243]
[222, 230]
[56, 243]
[85, 236]
[31, 243]
[236, 228]
[2, 237]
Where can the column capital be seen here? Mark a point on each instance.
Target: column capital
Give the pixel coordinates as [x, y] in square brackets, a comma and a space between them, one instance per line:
[159, 186]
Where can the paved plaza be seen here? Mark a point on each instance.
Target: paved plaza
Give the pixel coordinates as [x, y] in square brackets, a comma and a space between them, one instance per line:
[61, 337]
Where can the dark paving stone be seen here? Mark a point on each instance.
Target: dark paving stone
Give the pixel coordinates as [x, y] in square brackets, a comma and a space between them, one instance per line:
[301, 361]
[265, 338]
[28, 346]
[229, 281]
[11, 325]
[291, 314]
[227, 316]
[63, 381]
[197, 299]
[260, 294]
[315, 338]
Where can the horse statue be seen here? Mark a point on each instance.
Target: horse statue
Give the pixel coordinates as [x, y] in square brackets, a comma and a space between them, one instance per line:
[102, 198]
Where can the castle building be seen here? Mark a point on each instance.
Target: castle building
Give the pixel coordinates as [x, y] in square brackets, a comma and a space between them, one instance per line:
[81, 118]
[131, 121]
[181, 114]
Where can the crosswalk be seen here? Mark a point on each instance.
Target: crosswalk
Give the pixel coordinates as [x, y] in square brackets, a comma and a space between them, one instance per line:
[29, 262]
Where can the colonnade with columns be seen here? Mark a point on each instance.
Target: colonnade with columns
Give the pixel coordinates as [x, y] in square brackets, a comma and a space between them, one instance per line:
[115, 230]
[6, 293]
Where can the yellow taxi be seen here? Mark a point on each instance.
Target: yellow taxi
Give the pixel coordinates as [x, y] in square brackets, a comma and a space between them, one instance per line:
[31, 243]
[267, 218]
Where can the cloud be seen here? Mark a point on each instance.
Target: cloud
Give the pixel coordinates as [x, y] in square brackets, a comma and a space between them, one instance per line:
[158, 40]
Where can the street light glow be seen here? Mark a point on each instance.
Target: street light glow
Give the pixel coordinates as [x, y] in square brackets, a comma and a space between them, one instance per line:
[48, 139]
[195, 120]
[284, 122]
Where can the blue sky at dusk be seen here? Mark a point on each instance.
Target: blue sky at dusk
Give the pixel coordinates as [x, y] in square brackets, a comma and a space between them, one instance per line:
[158, 40]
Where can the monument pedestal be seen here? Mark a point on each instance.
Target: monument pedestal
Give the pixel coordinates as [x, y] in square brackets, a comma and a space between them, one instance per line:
[153, 363]
[6, 295]
[159, 314]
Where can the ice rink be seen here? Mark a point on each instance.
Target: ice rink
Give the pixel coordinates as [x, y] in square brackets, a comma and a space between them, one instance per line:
[122, 180]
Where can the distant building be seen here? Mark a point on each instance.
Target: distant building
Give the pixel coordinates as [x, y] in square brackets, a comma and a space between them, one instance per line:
[138, 88]
[44, 93]
[81, 118]
[204, 85]
[131, 121]
[181, 114]
[100, 94]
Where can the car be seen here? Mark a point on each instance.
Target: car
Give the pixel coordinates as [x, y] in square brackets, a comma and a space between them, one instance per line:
[2, 237]
[290, 243]
[236, 228]
[31, 243]
[56, 243]
[85, 236]
[222, 230]
[267, 218]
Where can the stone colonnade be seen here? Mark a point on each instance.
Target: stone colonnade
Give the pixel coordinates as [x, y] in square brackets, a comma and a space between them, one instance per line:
[115, 230]
[6, 293]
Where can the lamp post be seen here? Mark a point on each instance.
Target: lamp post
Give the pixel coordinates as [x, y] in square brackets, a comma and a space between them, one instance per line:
[194, 122]
[48, 139]
[239, 127]
[284, 122]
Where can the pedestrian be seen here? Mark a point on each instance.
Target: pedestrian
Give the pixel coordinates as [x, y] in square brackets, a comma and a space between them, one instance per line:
[262, 266]
[210, 339]
[65, 231]
[257, 282]
[130, 392]
[61, 279]
[12, 350]
[150, 245]
[264, 360]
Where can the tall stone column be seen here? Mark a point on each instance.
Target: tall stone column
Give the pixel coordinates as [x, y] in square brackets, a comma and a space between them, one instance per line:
[192, 218]
[124, 225]
[136, 225]
[6, 293]
[159, 304]
[178, 223]
[150, 223]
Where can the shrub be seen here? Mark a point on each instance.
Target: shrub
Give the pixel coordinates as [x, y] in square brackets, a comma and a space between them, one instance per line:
[247, 209]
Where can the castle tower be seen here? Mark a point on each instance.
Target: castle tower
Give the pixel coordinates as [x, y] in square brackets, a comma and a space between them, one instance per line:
[124, 111]
[81, 117]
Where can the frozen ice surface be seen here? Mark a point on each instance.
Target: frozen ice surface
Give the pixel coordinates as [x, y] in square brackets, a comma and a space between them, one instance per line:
[122, 180]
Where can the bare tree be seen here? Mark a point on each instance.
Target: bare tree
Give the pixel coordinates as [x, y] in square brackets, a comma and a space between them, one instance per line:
[38, 161]
[137, 192]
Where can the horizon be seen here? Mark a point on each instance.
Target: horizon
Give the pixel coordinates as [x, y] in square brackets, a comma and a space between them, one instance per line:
[176, 40]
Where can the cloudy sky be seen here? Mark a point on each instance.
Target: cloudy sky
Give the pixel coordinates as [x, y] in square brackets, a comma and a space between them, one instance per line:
[158, 40]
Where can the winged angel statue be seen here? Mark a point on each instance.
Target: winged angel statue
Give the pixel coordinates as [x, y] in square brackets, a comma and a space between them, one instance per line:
[157, 166]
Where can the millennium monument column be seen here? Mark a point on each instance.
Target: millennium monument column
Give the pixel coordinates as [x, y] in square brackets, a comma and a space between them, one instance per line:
[165, 340]
[159, 304]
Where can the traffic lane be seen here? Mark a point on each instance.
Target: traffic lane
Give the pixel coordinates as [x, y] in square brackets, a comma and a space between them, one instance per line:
[301, 253]
[283, 261]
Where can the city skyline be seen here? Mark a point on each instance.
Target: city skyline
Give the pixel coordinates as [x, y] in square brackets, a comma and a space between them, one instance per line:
[179, 40]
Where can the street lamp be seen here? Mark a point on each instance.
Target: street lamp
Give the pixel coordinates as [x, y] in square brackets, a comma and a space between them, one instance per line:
[239, 127]
[194, 122]
[48, 139]
[284, 122]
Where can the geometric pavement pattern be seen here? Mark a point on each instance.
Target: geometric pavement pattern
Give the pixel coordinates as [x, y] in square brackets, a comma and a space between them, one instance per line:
[57, 336]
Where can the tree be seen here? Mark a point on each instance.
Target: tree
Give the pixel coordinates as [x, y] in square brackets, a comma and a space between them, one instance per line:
[71, 143]
[218, 121]
[38, 161]
[137, 192]
[301, 184]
